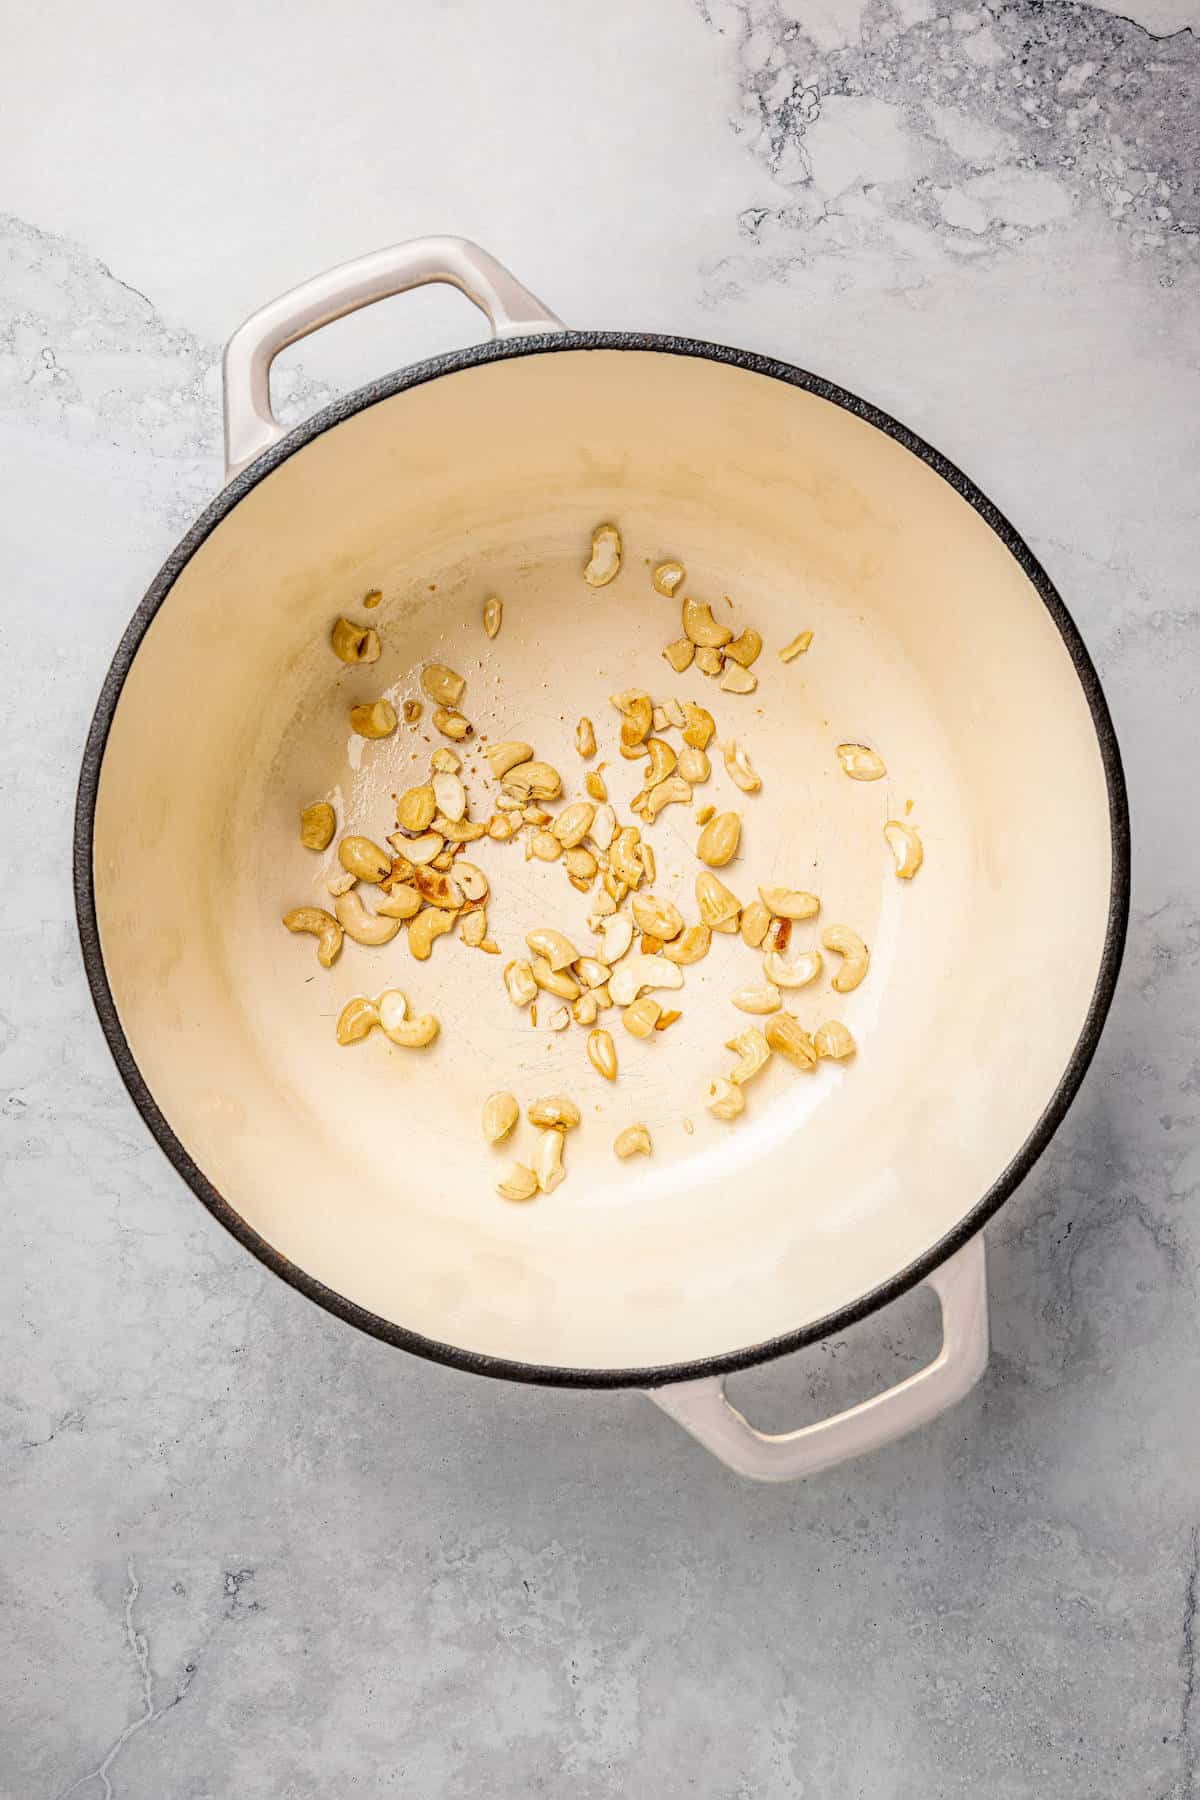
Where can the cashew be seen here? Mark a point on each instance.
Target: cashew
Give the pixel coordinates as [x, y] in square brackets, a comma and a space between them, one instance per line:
[452, 724]
[415, 809]
[493, 615]
[757, 999]
[719, 907]
[321, 925]
[701, 627]
[554, 981]
[671, 792]
[519, 1184]
[507, 755]
[402, 901]
[754, 1051]
[641, 1016]
[357, 1018]
[428, 925]
[789, 903]
[637, 716]
[413, 710]
[756, 920]
[679, 653]
[738, 680]
[704, 814]
[796, 974]
[554, 1112]
[699, 727]
[833, 1041]
[451, 797]
[364, 860]
[373, 719]
[317, 826]
[559, 1019]
[444, 761]
[623, 858]
[746, 648]
[459, 831]
[709, 661]
[860, 762]
[718, 843]
[739, 768]
[693, 764]
[341, 881]
[500, 828]
[439, 889]
[602, 1053]
[581, 866]
[690, 947]
[472, 880]
[518, 979]
[640, 971]
[797, 647]
[585, 1010]
[633, 1141]
[616, 936]
[558, 950]
[661, 918]
[905, 846]
[603, 828]
[548, 1160]
[418, 852]
[585, 737]
[725, 1099]
[500, 1114]
[354, 643]
[410, 1034]
[785, 1034]
[363, 926]
[854, 953]
[442, 684]
[667, 577]
[605, 563]
[533, 781]
[591, 971]
[472, 928]
[662, 761]
[573, 823]
[595, 785]
[545, 846]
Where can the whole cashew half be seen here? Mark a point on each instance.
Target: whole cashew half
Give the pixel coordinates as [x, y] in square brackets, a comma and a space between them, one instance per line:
[322, 925]
[394, 1022]
[363, 926]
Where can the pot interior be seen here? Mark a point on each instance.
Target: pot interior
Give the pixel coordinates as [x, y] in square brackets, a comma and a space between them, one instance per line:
[365, 1166]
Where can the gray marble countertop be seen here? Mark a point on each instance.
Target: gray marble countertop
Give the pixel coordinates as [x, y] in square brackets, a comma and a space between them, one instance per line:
[247, 1552]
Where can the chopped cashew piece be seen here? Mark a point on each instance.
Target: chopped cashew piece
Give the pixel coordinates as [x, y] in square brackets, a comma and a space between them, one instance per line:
[409, 1034]
[833, 1041]
[493, 615]
[789, 903]
[507, 755]
[415, 809]
[519, 1184]
[317, 825]
[796, 974]
[699, 725]
[530, 781]
[633, 1141]
[373, 719]
[693, 764]
[739, 768]
[737, 680]
[355, 643]
[860, 762]
[548, 1161]
[661, 918]
[559, 1019]
[719, 908]
[451, 797]
[605, 563]
[554, 981]
[679, 653]
[616, 936]
[691, 946]
[357, 1018]
[402, 901]
[756, 920]
[854, 954]
[555, 1111]
[428, 925]
[573, 823]
[641, 1016]
[754, 1051]
[500, 1114]
[709, 661]
[641, 971]
[595, 785]
[443, 685]
[321, 925]
[719, 840]
[452, 724]
[746, 648]
[667, 577]
[444, 761]
[558, 951]
[725, 1099]
[518, 980]
[602, 1053]
[702, 628]
[674, 791]
[413, 710]
[363, 926]
[786, 1035]
[545, 846]
[797, 647]
[585, 737]
[758, 1000]
[905, 846]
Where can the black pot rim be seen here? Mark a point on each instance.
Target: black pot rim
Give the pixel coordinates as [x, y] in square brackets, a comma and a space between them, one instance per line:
[498, 1366]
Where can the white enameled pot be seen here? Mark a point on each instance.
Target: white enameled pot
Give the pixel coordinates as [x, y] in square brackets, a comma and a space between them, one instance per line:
[360, 1175]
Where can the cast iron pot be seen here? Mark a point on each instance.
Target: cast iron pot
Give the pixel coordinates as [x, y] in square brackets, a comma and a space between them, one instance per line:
[360, 1175]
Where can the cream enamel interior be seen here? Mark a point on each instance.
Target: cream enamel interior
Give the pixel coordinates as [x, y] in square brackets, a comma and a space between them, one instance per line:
[365, 1166]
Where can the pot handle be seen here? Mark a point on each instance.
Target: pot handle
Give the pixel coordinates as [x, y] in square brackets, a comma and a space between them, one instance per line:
[250, 425]
[702, 1408]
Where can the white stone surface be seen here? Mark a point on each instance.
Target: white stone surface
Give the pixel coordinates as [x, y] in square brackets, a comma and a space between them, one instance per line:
[246, 1552]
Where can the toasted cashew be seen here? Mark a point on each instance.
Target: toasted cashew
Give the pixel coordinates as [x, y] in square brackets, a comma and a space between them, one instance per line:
[591, 971]
[789, 903]
[533, 781]
[719, 908]
[519, 1184]
[451, 796]
[633, 1141]
[402, 901]
[725, 1099]
[699, 727]
[679, 653]
[603, 828]
[519, 982]
[640, 971]
[451, 723]
[555, 1112]
[756, 920]
[616, 936]
[905, 846]
[754, 1051]
[693, 764]
[364, 859]
[739, 768]
[410, 1034]
[785, 1034]
[493, 615]
[415, 809]
[797, 647]
[500, 1114]
[594, 783]
[363, 926]
[709, 661]
[641, 1016]
[443, 685]
[547, 1160]
[624, 861]
[605, 563]
[585, 1011]
[354, 643]
[860, 762]
[718, 842]
[585, 737]
[573, 823]
[557, 949]
[554, 981]
[507, 755]
[674, 791]
[701, 627]
[357, 1018]
[737, 680]
[373, 719]
[765, 999]
[602, 1053]
[661, 918]
[796, 974]
[428, 925]
[691, 946]
[317, 825]
[746, 648]
[667, 577]
[321, 925]
[854, 954]
[833, 1041]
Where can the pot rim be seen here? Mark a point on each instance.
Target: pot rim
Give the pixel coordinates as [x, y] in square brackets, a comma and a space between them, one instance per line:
[474, 1362]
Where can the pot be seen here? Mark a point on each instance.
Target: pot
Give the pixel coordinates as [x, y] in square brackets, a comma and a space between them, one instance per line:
[359, 1175]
